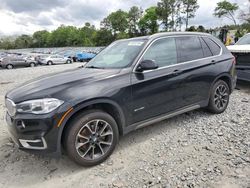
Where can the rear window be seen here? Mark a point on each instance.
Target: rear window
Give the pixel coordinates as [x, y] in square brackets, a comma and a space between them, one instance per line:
[206, 50]
[215, 48]
[189, 48]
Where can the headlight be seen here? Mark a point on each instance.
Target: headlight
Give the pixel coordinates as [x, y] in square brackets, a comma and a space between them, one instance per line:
[11, 107]
[39, 106]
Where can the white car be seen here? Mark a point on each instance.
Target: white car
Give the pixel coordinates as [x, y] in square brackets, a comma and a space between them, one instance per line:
[55, 59]
[241, 51]
[242, 46]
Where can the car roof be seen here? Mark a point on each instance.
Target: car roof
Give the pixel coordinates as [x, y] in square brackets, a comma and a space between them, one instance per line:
[177, 34]
[163, 34]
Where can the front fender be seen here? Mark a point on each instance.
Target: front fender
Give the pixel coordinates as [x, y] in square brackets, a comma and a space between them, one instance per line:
[83, 105]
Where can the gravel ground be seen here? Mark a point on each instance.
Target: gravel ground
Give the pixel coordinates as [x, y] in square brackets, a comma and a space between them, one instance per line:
[196, 149]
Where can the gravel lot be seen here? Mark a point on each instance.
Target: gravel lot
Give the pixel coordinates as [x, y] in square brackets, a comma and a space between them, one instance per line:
[196, 149]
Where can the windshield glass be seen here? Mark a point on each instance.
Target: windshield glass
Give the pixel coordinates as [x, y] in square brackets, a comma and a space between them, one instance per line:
[244, 40]
[119, 54]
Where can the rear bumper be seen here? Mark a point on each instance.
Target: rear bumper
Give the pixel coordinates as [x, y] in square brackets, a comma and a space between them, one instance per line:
[243, 74]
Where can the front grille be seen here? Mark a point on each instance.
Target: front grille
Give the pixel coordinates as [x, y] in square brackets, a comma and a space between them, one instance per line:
[11, 107]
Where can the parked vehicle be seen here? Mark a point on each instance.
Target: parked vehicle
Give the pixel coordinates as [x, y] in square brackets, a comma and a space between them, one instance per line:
[55, 59]
[130, 84]
[84, 56]
[2, 56]
[241, 51]
[12, 62]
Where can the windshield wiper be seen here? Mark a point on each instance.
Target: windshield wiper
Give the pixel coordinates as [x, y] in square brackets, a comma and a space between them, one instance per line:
[94, 67]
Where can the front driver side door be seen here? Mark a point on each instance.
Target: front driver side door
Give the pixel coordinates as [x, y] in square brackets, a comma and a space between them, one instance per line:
[157, 92]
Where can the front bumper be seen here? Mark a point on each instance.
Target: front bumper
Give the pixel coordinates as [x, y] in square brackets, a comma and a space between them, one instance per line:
[36, 133]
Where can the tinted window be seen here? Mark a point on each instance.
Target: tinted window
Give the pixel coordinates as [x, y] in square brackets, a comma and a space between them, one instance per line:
[163, 52]
[215, 49]
[206, 50]
[189, 48]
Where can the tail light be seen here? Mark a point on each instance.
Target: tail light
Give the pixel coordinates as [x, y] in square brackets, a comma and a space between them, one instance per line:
[234, 60]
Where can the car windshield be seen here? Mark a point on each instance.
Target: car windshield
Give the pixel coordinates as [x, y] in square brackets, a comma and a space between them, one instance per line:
[244, 40]
[119, 54]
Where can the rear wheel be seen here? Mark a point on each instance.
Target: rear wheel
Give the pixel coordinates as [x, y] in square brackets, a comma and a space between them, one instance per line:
[9, 66]
[49, 63]
[68, 61]
[91, 138]
[219, 97]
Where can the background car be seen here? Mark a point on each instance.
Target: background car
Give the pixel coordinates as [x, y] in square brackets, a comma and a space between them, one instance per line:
[241, 51]
[85, 56]
[55, 59]
[12, 62]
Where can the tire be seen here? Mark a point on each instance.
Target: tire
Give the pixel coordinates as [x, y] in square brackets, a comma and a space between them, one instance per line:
[49, 63]
[219, 97]
[9, 66]
[91, 131]
[32, 64]
[68, 61]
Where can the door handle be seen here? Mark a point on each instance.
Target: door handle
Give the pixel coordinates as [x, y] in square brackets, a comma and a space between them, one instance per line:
[177, 72]
[213, 62]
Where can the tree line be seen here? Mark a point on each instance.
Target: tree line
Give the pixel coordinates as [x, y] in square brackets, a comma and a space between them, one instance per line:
[167, 15]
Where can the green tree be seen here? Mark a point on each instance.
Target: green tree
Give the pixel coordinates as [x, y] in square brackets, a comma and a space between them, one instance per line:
[7, 43]
[134, 16]
[189, 9]
[105, 24]
[201, 29]
[23, 41]
[191, 28]
[40, 38]
[118, 21]
[103, 37]
[87, 35]
[148, 23]
[163, 10]
[226, 9]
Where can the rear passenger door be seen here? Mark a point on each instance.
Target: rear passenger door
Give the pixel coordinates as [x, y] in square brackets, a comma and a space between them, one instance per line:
[197, 66]
[60, 59]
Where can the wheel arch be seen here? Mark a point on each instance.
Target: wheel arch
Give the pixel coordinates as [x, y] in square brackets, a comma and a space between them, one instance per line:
[105, 105]
[226, 78]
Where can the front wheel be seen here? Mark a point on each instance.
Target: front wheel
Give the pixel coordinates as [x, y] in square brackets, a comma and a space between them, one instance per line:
[32, 64]
[91, 138]
[219, 97]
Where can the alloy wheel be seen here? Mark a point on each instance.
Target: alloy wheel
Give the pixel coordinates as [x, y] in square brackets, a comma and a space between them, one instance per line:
[94, 139]
[221, 97]
[9, 66]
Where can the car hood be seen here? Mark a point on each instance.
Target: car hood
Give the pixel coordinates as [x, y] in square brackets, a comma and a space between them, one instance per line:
[48, 85]
[239, 48]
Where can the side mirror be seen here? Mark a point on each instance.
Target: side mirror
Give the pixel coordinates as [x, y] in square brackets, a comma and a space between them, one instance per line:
[146, 65]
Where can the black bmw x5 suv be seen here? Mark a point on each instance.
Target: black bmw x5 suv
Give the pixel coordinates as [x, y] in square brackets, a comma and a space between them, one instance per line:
[130, 84]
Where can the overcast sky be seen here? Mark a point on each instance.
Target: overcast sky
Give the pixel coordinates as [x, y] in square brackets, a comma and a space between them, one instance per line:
[27, 16]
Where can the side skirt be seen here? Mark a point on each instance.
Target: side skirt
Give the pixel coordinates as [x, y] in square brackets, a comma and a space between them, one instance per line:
[150, 121]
